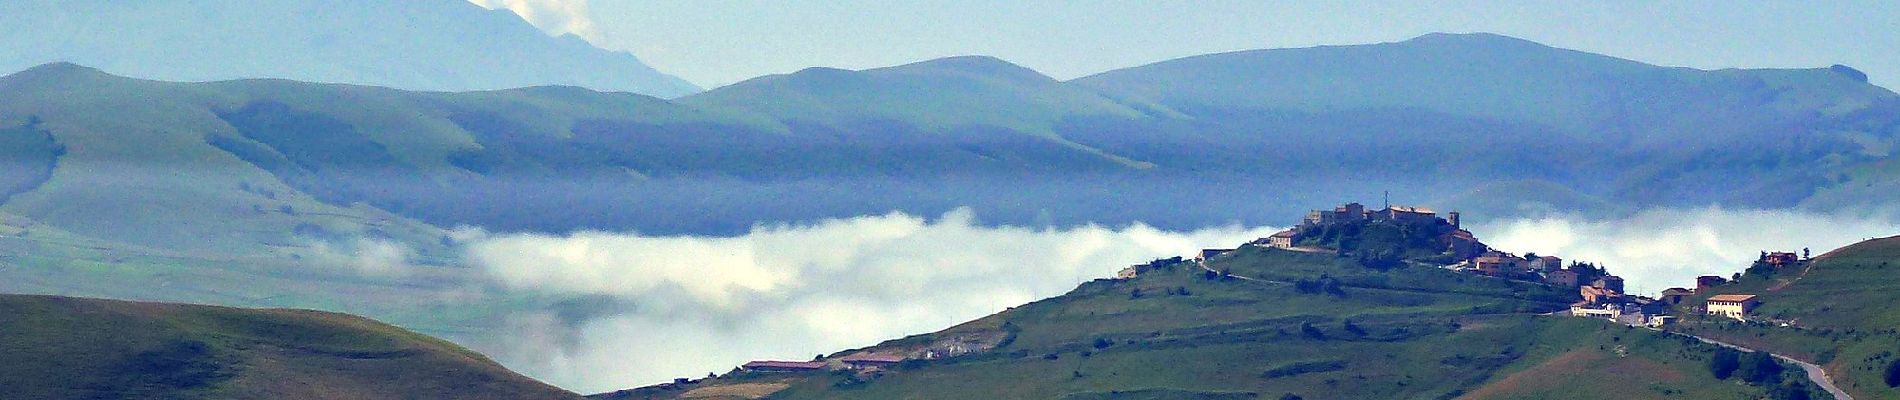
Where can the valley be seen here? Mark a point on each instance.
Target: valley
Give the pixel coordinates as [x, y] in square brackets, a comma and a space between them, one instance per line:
[226, 207]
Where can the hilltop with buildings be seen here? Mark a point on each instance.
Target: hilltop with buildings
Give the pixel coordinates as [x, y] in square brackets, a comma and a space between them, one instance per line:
[1397, 302]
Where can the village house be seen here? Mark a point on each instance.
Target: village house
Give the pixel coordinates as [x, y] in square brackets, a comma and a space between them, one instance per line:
[1675, 295]
[1609, 282]
[1597, 295]
[1462, 244]
[1706, 282]
[1211, 253]
[784, 366]
[1131, 272]
[1662, 321]
[1736, 306]
[1779, 259]
[1283, 239]
[1547, 264]
[867, 361]
[1406, 214]
[1604, 311]
[1496, 263]
[1561, 278]
[1345, 213]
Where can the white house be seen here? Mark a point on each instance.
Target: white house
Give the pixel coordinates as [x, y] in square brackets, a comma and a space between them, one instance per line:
[1734, 306]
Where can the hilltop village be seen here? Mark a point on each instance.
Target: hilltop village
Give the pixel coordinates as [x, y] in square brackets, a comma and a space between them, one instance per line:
[1600, 294]
[1391, 237]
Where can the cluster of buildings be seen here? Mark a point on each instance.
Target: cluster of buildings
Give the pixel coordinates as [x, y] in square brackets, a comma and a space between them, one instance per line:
[1457, 240]
[861, 361]
[1736, 306]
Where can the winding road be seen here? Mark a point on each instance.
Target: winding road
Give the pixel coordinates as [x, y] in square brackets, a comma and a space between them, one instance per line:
[1815, 373]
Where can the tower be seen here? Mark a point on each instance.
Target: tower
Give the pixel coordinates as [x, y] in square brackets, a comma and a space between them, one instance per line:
[1452, 218]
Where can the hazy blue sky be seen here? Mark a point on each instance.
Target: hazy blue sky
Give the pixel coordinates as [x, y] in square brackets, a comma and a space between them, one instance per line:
[716, 42]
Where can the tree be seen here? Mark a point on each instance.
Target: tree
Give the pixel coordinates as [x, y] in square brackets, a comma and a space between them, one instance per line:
[1724, 363]
[1893, 374]
[1760, 368]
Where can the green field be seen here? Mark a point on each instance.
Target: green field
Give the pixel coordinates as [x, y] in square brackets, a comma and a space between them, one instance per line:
[63, 347]
[1840, 314]
[1415, 332]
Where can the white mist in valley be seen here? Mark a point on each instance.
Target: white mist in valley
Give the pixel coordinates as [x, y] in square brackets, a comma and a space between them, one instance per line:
[651, 308]
[693, 305]
[1658, 249]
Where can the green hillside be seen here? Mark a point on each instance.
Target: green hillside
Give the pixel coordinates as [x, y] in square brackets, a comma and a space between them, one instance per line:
[1181, 332]
[1838, 313]
[63, 347]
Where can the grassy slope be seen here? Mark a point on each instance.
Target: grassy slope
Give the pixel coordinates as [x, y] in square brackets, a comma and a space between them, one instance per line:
[1843, 309]
[62, 347]
[935, 94]
[1242, 339]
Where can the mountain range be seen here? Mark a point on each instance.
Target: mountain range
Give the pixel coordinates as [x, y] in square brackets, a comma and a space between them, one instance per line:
[244, 192]
[440, 45]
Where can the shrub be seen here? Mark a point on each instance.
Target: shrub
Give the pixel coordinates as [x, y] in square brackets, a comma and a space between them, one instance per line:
[1103, 343]
[1724, 363]
[1354, 328]
[1760, 368]
[1307, 329]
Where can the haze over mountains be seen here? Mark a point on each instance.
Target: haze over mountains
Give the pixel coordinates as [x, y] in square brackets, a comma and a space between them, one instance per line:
[410, 44]
[1439, 118]
[256, 191]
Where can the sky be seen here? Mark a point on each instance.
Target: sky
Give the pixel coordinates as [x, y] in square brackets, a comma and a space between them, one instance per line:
[718, 42]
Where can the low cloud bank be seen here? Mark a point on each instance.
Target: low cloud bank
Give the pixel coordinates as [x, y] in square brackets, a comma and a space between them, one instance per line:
[685, 306]
[1658, 249]
[554, 16]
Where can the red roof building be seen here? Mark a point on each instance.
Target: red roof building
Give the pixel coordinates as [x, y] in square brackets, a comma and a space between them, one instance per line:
[784, 366]
[869, 360]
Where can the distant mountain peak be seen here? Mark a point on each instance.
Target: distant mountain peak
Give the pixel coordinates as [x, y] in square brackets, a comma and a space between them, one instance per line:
[1476, 40]
[971, 65]
[56, 71]
[437, 45]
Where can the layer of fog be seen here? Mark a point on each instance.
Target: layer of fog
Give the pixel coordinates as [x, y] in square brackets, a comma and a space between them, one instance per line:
[633, 309]
[666, 307]
[1658, 249]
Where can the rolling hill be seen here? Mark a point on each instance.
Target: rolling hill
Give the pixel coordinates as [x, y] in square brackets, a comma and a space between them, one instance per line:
[1179, 331]
[1836, 313]
[63, 347]
[260, 192]
[412, 44]
[1439, 117]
